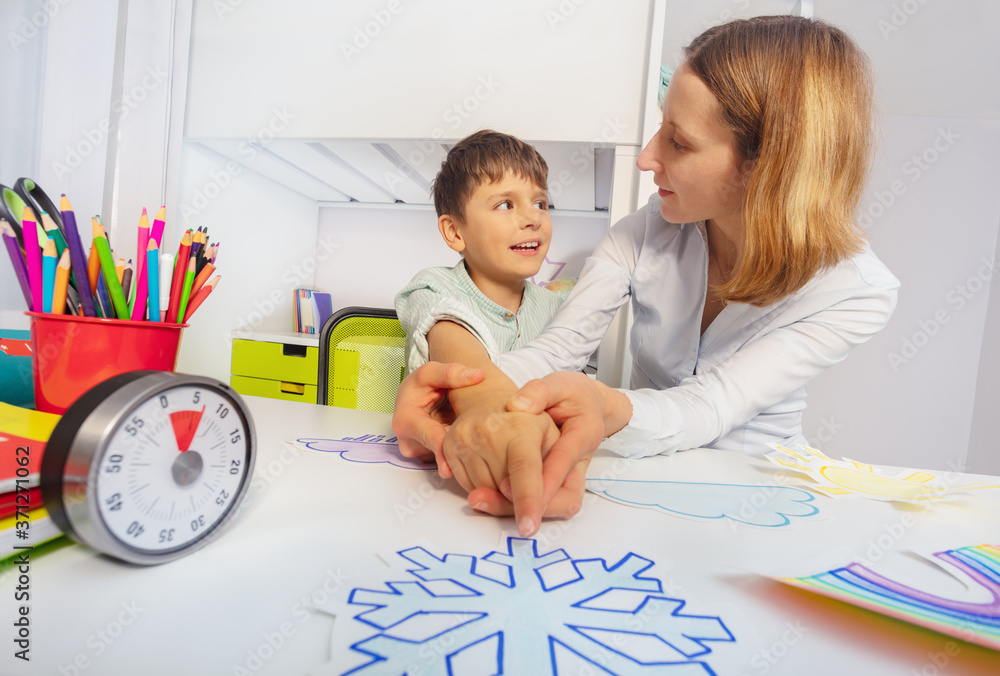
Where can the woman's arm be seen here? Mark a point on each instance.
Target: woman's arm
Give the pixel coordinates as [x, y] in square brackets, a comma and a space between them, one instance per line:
[579, 325]
[831, 320]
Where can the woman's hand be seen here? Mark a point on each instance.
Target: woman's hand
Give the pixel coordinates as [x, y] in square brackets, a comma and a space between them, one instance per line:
[422, 415]
[486, 446]
[586, 412]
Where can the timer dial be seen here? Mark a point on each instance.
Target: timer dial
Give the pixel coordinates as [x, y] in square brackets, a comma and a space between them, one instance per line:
[148, 465]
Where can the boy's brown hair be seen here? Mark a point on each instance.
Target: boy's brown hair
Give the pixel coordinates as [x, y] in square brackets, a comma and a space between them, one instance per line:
[484, 157]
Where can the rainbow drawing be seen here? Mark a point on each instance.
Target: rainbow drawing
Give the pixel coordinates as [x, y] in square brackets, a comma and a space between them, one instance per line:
[972, 622]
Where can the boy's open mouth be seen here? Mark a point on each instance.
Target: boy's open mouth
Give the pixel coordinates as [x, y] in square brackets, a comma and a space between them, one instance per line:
[526, 246]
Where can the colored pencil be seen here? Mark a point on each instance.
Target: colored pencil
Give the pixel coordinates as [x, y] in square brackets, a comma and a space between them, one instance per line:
[196, 243]
[203, 255]
[158, 223]
[52, 230]
[77, 258]
[166, 270]
[127, 280]
[140, 249]
[202, 277]
[108, 268]
[49, 263]
[61, 286]
[32, 258]
[200, 297]
[177, 281]
[104, 302]
[186, 290]
[141, 285]
[93, 267]
[14, 251]
[151, 278]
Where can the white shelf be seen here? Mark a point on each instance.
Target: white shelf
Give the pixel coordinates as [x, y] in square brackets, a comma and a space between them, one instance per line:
[285, 337]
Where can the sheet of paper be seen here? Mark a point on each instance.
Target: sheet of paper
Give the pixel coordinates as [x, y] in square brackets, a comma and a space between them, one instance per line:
[516, 609]
[768, 506]
[976, 621]
[839, 478]
[367, 448]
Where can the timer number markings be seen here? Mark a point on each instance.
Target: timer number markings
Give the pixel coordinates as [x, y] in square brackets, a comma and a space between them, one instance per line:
[179, 448]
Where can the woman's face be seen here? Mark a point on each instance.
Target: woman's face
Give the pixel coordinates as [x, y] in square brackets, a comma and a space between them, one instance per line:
[692, 157]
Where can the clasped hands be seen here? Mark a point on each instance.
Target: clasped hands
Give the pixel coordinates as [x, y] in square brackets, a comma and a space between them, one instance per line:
[525, 454]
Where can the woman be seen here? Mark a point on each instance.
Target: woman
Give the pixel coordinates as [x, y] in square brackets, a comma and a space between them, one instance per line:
[747, 273]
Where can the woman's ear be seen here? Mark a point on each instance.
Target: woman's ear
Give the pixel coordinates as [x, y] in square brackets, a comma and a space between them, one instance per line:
[448, 227]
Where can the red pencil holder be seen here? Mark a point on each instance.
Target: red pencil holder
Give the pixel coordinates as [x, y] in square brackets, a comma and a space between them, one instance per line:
[71, 354]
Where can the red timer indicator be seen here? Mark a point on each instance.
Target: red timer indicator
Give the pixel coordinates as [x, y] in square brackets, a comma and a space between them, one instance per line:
[185, 424]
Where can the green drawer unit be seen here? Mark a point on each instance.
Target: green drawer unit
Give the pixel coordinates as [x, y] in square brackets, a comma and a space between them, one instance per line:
[273, 389]
[275, 365]
[275, 361]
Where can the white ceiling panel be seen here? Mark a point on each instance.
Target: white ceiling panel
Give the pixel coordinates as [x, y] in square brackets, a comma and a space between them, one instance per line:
[315, 159]
[254, 157]
[423, 155]
[385, 169]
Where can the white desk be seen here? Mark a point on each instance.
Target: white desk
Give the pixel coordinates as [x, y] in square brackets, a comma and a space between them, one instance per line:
[313, 523]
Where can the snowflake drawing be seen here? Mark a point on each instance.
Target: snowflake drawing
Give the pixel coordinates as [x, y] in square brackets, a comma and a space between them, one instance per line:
[519, 612]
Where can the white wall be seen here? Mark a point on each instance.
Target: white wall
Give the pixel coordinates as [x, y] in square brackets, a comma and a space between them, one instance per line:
[936, 65]
[268, 246]
[378, 250]
[57, 63]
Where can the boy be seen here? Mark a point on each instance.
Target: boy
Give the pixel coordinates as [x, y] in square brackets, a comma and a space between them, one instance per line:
[490, 197]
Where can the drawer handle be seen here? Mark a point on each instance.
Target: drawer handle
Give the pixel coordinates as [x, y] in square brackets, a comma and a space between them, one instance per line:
[293, 350]
[293, 388]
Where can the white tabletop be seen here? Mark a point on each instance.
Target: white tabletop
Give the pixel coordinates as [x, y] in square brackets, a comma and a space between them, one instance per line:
[315, 526]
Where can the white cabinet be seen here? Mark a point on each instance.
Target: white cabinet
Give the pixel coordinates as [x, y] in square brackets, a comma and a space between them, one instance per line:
[437, 69]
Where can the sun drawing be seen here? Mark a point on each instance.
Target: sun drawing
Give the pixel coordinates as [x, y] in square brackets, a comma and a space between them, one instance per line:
[850, 477]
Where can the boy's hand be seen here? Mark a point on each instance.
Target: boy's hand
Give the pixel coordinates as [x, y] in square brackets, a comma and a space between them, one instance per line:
[586, 412]
[565, 503]
[422, 415]
[484, 447]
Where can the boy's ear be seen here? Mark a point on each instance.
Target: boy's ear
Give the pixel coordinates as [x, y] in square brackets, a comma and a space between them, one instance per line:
[448, 227]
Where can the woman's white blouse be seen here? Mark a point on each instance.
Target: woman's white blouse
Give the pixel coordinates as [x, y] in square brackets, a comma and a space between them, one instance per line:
[739, 386]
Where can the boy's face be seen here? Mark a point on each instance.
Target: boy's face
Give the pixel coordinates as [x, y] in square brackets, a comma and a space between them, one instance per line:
[506, 232]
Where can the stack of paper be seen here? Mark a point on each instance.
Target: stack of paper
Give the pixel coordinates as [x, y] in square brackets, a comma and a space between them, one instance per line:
[23, 520]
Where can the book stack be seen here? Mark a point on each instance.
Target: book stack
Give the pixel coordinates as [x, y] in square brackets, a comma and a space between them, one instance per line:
[24, 523]
[311, 310]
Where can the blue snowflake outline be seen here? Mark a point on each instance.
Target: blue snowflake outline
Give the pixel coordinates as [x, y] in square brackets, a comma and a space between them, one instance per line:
[688, 639]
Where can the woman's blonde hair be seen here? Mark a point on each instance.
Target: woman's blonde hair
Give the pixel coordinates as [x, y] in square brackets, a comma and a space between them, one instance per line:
[797, 95]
